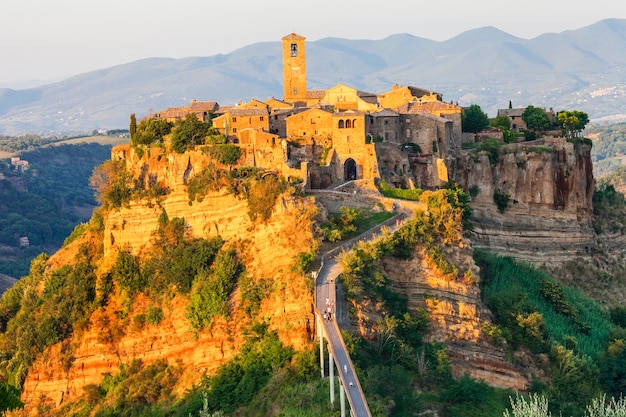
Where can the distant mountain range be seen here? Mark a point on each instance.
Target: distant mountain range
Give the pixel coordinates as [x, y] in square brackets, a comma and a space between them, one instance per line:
[583, 69]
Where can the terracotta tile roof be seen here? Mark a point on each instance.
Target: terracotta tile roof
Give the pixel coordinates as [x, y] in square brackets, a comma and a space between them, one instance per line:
[234, 111]
[293, 36]
[196, 106]
[415, 107]
[385, 113]
[223, 109]
[348, 113]
[315, 94]
[511, 112]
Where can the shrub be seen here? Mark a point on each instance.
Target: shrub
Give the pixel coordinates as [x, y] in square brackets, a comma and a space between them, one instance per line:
[501, 199]
[302, 262]
[155, 315]
[78, 231]
[262, 195]
[189, 132]
[492, 148]
[226, 154]
[127, 274]
[209, 297]
[400, 193]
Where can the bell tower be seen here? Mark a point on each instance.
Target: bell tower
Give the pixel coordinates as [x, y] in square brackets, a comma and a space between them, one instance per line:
[294, 68]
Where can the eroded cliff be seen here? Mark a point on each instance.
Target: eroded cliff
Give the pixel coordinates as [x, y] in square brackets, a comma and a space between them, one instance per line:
[111, 339]
[544, 192]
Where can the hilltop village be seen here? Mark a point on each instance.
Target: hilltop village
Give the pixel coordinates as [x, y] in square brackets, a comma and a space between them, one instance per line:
[330, 136]
[409, 138]
[180, 272]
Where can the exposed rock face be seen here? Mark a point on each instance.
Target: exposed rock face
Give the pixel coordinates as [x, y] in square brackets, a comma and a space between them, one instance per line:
[270, 251]
[550, 188]
[457, 316]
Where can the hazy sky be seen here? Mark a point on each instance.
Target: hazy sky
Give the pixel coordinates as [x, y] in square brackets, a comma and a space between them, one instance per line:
[52, 39]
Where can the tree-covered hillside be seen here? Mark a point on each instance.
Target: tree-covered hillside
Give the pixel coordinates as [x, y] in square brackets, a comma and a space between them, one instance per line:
[609, 147]
[45, 202]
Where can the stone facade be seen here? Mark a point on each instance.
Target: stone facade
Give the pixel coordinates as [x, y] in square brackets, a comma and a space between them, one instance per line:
[332, 132]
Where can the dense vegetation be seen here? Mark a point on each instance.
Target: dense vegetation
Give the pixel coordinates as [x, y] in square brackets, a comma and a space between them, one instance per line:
[400, 373]
[54, 185]
[609, 147]
[24, 143]
[395, 362]
[586, 349]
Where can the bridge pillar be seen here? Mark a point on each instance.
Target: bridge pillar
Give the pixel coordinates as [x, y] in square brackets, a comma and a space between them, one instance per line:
[342, 398]
[331, 376]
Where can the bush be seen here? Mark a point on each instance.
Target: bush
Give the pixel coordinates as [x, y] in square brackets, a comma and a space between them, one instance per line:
[189, 132]
[261, 195]
[127, 274]
[226, 154]
[155, 315]
[400, 193]
[501, 199]
[492, 148]
[209, 297]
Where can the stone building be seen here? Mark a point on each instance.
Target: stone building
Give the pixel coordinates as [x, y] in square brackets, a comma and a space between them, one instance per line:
[203, 110]
[403, 136]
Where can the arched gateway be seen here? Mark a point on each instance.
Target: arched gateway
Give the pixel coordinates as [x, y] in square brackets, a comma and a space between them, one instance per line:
[349, 170]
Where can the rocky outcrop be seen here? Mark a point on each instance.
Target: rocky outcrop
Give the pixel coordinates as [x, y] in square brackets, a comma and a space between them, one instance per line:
[457, 317]
[109, 340]
[545, 190]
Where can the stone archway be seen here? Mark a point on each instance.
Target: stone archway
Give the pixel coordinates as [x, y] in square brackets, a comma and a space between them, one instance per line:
[349, 170]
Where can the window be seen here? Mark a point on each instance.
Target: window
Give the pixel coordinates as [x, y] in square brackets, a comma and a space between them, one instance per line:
[294, 49]
[234, 119]
[348, 124]
[386, 121]
[354, 123]
[234, 130]
[408, 133]
[341, 124]
[261, 118]
[295, 91]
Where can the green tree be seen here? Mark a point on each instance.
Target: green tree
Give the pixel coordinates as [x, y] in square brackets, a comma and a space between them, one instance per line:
[501, 122]
[474, 119]
[111, 183]
[151, 131]
[573, 122]
[133, 127]
[536, 118]
[189, 132]
[9, 398]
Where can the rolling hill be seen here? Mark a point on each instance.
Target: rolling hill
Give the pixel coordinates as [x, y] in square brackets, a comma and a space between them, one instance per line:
[582, 69]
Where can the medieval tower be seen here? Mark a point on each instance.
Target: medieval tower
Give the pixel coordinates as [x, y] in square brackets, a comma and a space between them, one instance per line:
[294, 68]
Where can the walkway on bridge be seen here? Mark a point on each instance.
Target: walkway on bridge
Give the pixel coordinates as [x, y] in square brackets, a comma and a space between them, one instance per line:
[325, 297]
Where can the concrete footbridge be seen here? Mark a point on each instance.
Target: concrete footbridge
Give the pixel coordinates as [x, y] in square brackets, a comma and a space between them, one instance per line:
[326, 311]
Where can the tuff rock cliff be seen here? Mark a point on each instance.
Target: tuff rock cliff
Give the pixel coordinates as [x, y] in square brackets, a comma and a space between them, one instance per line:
[544, 191]
[109, 340]
[547, 220]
